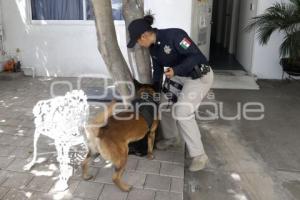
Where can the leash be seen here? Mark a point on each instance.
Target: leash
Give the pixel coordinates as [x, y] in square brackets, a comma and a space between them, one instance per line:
[168, 89]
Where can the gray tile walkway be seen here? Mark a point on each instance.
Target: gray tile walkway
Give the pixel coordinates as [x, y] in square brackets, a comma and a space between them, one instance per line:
[88, 190]
[158, 179]
[40, 183]
[3, 191]
[148, 166]
[157, 182]
[17, 180]
[137, 194]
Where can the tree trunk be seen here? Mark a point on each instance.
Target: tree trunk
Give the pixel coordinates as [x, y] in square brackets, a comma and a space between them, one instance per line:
[109, 48]
[139, 57]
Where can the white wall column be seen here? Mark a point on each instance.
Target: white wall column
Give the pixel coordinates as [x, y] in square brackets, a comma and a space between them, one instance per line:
[228, 16]
[234, 26]
[246, 40]
[220, 25]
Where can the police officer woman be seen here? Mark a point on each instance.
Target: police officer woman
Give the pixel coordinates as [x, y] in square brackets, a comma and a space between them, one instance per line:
[186, 72]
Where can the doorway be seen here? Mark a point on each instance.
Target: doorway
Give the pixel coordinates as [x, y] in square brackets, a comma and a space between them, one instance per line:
[218, 29]
[224, 35]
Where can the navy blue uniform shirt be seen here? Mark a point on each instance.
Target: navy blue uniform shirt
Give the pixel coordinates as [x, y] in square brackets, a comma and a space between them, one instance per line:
[174, 48]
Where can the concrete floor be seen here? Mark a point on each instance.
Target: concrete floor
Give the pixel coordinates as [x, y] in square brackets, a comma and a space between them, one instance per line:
[249, 160]
[254, 160]
[158, 179]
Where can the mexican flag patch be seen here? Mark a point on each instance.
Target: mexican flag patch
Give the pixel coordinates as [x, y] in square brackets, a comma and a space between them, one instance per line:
[185, 43]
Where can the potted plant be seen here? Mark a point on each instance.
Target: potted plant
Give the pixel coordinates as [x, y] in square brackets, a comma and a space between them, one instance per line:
[285, 18]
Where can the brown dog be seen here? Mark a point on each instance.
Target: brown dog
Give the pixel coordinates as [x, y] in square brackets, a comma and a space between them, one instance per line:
[112, 140]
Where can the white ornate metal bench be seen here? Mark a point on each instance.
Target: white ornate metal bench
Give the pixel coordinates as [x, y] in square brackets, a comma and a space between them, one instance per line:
[63, 119]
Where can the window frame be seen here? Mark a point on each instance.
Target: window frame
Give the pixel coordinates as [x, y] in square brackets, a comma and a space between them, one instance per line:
[65, 22]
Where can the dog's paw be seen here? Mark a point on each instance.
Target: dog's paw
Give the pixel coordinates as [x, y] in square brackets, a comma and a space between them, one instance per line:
[150, 156]
[88, 177]
[127, 188]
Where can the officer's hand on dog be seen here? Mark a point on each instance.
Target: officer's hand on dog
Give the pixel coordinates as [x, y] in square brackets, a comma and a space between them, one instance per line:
[169, 72]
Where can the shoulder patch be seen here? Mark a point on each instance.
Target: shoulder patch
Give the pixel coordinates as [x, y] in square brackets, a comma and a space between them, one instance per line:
[185, 43]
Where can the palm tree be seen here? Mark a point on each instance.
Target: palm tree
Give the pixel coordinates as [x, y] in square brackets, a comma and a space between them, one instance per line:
[282, 17]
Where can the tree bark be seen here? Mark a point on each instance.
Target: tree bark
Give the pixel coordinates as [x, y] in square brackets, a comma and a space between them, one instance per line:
[109, 48]
[139, 57]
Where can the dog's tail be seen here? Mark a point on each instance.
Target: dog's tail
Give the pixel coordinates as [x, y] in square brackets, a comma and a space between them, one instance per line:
[101, 118]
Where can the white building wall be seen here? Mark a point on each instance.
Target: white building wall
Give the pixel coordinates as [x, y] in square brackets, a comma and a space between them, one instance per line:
[53, 50]
[171, 13]
[266, 58]
[245, 40]
[71, 49]
[1, 23]
[263, 61]
[0, 13]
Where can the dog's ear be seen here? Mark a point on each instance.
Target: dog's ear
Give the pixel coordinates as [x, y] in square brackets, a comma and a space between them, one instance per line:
[137, 84]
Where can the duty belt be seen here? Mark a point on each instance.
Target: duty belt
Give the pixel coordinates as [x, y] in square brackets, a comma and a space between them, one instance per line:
[199, 71]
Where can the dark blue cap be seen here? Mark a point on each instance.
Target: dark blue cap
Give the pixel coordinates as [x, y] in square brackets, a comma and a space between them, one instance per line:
[136, 28]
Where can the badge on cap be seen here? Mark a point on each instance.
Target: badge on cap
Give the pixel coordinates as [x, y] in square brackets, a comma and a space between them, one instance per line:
[167, 49]
[185, 43]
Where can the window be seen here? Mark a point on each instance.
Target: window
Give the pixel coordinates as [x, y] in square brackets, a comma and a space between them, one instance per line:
[57, 9]
[117, 10]
[69, 10]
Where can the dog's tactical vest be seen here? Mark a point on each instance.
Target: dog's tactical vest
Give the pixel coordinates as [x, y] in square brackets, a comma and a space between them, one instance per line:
[147, 108]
